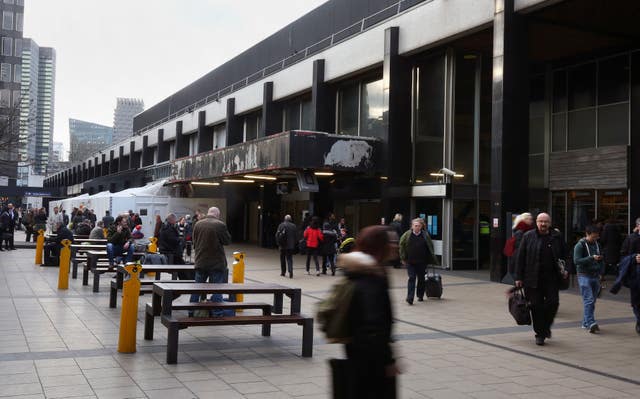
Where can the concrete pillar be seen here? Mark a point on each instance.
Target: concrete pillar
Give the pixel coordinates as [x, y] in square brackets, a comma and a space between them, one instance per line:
[322, 101]
[271, 112]
[182, 142]
[234, 124]
[205, 134]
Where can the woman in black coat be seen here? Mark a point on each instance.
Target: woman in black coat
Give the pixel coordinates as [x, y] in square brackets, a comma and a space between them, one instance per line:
[371, 366]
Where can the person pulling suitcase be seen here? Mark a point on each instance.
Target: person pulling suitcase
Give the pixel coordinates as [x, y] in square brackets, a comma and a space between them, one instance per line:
[416, 252]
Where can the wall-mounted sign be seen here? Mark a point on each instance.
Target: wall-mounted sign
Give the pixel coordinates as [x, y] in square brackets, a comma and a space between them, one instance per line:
[431, 190]
[4, 180]
[36, 194]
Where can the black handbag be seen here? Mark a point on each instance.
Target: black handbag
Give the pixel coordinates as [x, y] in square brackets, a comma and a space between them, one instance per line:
[563, 276]
[519, 307]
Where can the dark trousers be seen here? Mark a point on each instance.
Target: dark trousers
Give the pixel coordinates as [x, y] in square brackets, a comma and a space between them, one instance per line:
[286, 260]
[416, 274]
[8, 239]
[51, 254]
[313, 252]
[29, 232]
[544, 305]
[329, 260]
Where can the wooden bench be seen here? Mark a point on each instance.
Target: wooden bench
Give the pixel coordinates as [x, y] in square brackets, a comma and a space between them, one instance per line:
[164, 294]
[97, 263]
[146, 286]
[174, 325]
[78, 255]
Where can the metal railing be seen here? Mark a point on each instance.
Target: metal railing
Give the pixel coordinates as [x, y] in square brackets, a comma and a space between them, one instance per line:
[330, 41]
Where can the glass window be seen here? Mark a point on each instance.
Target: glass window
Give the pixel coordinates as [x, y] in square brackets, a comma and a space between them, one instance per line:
[559, 133]
[429, 118]
[613, 124]
[7, 46]
[348, 114]
[219, 136]
[7, 20]
[464, 118]
[5, 98]
[613, 80]
[20, 2]
[292, 116]
[581, 211]
[19, 22]
[17, 73]
[464, 226]
[536, 115]
[306, 122]
[16, 98]
[5, 72]
[582, 129]
[251, 127]
[558, 211]
[582, 86]
[614, 205]
[8, 1]
[560, 91]
[18, 45]
[372, 110]
[536, 171]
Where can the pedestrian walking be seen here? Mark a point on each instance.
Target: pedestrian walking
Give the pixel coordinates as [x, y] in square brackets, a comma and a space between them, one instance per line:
[537, 270]
[396, 225]
[416, 252]
[590, 267]
[313, 237]
[522, 223]
[8, 221]
[54, 218]
[629, 276]
[28, 222]
[286, 238]
[328, 248]
[371, 367]
[210, 235]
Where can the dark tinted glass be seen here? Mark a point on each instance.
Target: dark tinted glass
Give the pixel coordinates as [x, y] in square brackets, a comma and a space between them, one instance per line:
[613, 80]
[536, 171]
[348, 122]
[559, 133]
[560, 91]
[582, 129]
[582, 86]
[613, 124]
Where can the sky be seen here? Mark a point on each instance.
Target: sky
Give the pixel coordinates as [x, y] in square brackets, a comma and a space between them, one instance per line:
[144, 49]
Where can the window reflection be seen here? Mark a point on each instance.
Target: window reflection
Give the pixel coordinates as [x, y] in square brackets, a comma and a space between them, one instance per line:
[372, 110]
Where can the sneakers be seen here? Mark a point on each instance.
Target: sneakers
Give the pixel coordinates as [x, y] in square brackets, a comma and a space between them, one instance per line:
[420, 299]
[539, 340]
[308, 272]
[594, 328]
[318, 274]
[410, 301]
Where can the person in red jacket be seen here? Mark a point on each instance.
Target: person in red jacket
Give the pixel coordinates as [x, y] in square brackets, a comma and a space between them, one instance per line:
[313, 236]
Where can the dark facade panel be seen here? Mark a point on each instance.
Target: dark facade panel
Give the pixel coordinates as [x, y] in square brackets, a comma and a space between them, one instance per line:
[406, 4]
[380, 16]
[327, 19]
[576, 170]
[347, 32]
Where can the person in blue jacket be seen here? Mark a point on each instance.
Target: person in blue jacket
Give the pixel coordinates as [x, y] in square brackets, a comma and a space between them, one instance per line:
[588, 259]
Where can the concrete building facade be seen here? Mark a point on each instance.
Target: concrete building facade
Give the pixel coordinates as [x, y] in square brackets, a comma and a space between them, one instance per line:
[87, 138]
[126, 109]
[461, 112]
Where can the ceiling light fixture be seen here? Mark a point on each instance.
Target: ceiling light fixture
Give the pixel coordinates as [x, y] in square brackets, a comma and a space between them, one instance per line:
[204, 183]
[259, 177]
[323, 173]
[238, 181]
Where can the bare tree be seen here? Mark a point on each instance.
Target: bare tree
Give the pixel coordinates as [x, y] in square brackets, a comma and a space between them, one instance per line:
[10, 140]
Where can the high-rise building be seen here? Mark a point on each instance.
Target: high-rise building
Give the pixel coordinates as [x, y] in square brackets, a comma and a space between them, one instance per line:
[57, 152]
[36, 108]
[126, 109]
[10, 76]
[87, 138]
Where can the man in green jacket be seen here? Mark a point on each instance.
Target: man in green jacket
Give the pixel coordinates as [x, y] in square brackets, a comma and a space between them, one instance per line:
[416, 252]
[588, 260]
[210, 235]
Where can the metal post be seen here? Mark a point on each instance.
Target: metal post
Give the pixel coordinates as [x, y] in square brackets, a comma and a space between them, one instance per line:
[129, 315]
[65, 262]
[238, 274]
[153, 245]
[39, 247]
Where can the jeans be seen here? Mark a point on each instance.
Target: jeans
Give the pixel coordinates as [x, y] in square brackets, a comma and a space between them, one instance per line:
[114, 250]
[328, 260]
[589, 287]
[286, 260]
[212, 276]
[544, 300]
[313, 252]
[415, 272]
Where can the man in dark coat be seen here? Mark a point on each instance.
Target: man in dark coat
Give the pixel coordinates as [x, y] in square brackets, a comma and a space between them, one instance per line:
[328, 248]
[8, 220]
[52, 249]
[537, 271]
[631, 244]
[169, 242]
[107, 220]
[286, 238]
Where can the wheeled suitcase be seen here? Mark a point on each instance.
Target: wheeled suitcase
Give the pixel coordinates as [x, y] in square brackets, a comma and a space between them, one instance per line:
[433, 284]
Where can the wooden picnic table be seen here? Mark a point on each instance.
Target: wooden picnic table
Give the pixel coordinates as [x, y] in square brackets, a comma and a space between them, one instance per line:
[93, 265]
[82, 248]
[165, 293]
[146, 285]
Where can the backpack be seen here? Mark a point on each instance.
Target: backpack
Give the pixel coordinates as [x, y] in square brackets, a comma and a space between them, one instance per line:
[333, 312]
[281, 237]
[509, 247]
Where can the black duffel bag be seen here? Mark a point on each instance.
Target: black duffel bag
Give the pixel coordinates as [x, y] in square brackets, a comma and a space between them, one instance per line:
[519, 307]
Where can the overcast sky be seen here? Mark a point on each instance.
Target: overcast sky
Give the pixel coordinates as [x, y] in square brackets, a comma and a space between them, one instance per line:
[145, 49]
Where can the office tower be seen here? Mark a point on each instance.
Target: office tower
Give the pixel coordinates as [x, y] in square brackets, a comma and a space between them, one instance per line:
[126, 109]
[87, 138]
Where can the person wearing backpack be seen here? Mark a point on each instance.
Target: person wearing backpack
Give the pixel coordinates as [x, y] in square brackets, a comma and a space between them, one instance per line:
[522, 223]
[313, 237]
[286, 237]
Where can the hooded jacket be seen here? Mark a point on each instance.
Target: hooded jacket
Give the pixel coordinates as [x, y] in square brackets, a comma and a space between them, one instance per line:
[370, 313]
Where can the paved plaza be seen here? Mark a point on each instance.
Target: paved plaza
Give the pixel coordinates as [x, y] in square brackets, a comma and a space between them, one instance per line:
[58, 344]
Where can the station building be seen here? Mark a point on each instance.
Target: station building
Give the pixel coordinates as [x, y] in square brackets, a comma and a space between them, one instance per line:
[461, 111]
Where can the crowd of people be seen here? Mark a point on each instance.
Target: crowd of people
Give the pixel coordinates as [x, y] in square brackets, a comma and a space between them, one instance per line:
[541, 263]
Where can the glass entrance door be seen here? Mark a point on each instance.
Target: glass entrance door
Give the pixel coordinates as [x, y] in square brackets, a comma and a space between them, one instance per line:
[430, 209]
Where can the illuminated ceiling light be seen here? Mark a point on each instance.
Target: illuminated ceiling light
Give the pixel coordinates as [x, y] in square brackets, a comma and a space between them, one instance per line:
[204, 183]
[419, 181]
[323, 173]
[260, 177]
[458, 175]
[238, 181]
[383, 177]
[436, 174]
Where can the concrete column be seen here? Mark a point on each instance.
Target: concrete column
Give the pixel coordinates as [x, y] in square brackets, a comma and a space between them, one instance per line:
[181, 148]
[271, 112]
[322, 101]
[121, 164]
[234, 124]
[134, 162]
[509, 127]
[205, 134]
[163, 147]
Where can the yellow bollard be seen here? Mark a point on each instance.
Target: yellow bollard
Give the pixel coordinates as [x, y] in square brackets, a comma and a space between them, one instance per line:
[39, 247]
[64, 265]
[153, 245]
[238, 274]
[105, 231]
[129, 315]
